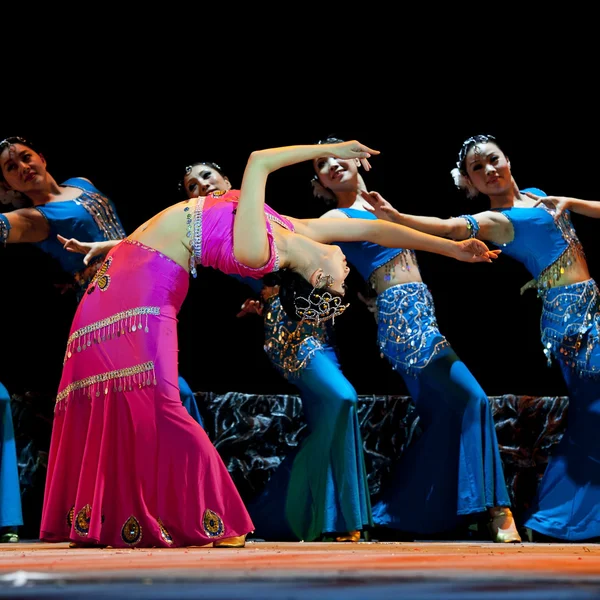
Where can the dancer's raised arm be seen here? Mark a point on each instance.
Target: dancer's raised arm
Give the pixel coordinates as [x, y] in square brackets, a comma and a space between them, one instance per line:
[251, 246]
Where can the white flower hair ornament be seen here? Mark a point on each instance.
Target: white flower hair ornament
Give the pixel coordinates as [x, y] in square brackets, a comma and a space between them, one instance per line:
[320, 191]
[8, 196]
[463, 183]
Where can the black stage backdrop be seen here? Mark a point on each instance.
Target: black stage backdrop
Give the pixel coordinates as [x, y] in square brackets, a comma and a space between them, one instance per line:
[132, 140]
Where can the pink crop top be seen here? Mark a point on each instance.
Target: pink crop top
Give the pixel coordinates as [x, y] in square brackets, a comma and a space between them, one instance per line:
[212, 236]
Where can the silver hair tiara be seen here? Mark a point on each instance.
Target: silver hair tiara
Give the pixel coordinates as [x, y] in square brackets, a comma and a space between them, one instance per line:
[211, 164]
[473, 140]
[320, 306]
[15, 139]
[188, 170]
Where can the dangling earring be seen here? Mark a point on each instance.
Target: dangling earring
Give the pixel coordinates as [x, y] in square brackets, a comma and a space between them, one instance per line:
[324, 281]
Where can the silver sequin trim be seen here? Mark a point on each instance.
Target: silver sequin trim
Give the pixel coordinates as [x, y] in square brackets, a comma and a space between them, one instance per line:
[196, 243]
[120, 316]
[108, 376]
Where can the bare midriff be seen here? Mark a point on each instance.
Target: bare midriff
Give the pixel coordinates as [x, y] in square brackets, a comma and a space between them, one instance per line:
[402, 268]
[555, 276]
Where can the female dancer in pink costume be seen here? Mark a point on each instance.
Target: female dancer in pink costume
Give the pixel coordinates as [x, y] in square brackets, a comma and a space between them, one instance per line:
[128, 466]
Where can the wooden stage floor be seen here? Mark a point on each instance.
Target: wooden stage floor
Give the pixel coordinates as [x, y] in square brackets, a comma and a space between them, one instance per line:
[302, 570]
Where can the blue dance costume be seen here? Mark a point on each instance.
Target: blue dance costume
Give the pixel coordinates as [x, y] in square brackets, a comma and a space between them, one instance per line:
[90, 217]
[567, 505]
[322, 486]
[10, 495]
[454, 468]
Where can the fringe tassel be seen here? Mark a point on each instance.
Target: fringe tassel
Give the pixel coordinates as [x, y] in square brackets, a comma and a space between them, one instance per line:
[122, 380]
[128, 321]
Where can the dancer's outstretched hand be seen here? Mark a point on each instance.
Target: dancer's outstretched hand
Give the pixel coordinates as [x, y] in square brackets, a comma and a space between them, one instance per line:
[90, 249]
[474, 250]
[354, 149]
[251, 307]
[558, 203]
[381, 208]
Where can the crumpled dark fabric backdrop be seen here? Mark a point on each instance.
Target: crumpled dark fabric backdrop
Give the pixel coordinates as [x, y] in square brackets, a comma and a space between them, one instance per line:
[253, 433]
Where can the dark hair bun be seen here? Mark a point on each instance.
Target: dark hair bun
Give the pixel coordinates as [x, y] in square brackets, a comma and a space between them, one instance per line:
[291, 285]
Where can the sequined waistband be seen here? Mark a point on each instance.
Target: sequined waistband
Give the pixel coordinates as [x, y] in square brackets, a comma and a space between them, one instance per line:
[570, 326]
[408, 334]
[418, 289]
[571, 294]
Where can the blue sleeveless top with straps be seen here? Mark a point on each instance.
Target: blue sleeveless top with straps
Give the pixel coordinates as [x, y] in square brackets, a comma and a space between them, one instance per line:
[543, 244]
[366, 256]
[90, 217]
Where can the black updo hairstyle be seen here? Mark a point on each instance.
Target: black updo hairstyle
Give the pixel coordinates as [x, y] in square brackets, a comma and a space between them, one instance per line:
[291, 286]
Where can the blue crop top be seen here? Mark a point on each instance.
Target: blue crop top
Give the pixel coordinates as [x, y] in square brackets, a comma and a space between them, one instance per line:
[543, 244]
[90, 217]
[366, 256]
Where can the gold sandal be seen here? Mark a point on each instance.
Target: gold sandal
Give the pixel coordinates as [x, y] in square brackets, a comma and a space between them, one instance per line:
[503, 535]
[351, 536]
[231, 542]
